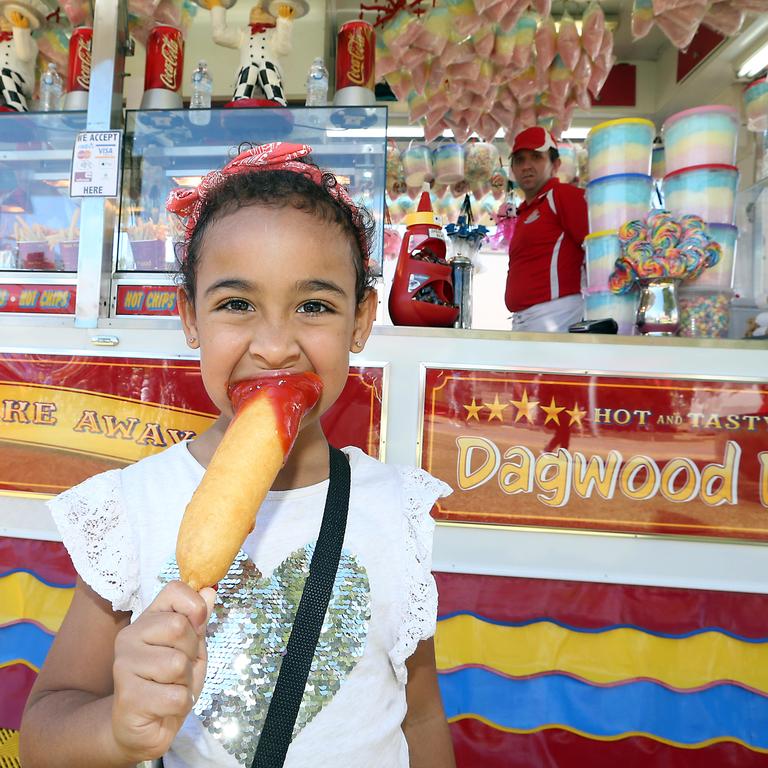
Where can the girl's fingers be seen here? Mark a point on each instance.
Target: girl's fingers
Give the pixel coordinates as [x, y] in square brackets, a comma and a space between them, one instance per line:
[179, 598]
[153, 701]
[160, 664]
[172, 630]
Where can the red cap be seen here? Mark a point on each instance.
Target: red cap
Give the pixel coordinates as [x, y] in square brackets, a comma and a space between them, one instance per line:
[537, 139]
[425, 202]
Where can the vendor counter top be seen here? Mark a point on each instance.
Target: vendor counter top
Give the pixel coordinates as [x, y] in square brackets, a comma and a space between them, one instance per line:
[408, 359]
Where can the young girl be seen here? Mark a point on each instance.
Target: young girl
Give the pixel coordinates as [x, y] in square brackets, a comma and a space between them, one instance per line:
[274, 279]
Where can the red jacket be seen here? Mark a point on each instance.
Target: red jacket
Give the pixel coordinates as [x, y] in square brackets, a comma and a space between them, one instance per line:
[545, 255]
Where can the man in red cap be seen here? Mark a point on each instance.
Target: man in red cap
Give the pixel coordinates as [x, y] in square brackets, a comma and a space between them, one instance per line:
[545, 254]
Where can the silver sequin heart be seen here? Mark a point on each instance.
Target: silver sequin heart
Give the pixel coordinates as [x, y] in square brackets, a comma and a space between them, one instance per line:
[247, 636]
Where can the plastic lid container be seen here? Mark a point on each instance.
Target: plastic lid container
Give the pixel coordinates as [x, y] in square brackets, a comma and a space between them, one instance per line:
[620, 146]
[701, 136]
[617, 199]
[719, 277]
[621, 307]
[448, 163]
[602, 249]
[708, 191]
[705, 314]
[756, 105]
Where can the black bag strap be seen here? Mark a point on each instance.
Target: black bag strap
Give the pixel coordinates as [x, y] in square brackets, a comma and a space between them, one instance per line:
[292, 679]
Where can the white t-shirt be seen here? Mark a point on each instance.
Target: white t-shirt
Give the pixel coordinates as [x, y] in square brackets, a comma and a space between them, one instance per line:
[120, 529]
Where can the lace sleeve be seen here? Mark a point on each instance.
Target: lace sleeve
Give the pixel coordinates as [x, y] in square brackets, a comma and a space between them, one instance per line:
[419, 492]
[97, 534]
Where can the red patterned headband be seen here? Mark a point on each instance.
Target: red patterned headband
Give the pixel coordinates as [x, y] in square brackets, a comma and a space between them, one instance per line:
[188, 203]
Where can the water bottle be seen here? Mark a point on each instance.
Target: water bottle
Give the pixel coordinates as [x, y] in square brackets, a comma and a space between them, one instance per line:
[202, 86]
[317, 84]
[50, 90]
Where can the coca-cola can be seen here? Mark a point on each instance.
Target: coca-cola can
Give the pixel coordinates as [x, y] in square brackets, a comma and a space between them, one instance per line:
[355, 55]
[165, 58]
[79, 65]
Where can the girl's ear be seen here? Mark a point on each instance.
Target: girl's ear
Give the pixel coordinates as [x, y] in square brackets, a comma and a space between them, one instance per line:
[188, 317]
[364, 317]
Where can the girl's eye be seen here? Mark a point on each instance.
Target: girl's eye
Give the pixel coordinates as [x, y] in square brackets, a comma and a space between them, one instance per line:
[313, 307]
[235, 305]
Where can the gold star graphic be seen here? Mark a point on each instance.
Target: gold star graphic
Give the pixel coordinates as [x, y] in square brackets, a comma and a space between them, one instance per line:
[576, 415]
[496, 408]
[525, 407]
[552, 410]
[473, 410]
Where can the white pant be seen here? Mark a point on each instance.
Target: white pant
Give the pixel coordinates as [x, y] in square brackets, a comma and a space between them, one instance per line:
[550, 316]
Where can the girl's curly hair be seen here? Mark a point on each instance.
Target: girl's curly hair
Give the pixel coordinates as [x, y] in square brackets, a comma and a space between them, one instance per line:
[276, 189]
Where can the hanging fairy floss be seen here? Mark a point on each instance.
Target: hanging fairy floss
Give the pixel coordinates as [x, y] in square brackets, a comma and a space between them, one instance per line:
[261, 43]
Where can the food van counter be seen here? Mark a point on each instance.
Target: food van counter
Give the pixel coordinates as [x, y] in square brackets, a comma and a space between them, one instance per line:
[454, 401]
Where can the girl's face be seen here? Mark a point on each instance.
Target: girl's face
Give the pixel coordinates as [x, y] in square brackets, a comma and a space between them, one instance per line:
[275, 291]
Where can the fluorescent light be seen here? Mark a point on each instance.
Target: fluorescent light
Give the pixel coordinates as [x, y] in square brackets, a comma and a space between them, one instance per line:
[359, 133]
[416, 132]
[576, 133]
[755, 63]
[448, 134]
[405, 132]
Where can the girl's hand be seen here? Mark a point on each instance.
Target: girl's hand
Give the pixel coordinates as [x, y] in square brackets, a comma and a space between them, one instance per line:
[159, 670]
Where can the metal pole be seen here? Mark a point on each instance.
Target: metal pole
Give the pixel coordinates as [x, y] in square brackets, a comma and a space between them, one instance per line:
[105, 103]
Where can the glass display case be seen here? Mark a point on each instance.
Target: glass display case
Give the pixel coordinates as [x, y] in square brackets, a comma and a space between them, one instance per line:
[39, 222]
[751, 275]
[168, 149]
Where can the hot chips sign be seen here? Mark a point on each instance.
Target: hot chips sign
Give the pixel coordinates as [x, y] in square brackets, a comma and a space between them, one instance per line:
[45, 299]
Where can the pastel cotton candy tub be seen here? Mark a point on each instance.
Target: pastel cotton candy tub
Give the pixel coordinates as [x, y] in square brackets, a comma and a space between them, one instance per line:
[602, 248]
[569, 168]
[719, 277]
[621, 307]
[620, 146]
[615, 200]
[700, 136]
[708, 191]
[756, 105]
[417, 165]
[448, 163]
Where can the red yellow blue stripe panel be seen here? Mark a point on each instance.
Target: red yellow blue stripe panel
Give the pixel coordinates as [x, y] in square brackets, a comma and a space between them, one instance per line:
[596, 606]
[478, 745]
[24, 597]
[612, 655]
[720, 713]
[37, 581]
[15, 683]
[48, 560]
[610, 673]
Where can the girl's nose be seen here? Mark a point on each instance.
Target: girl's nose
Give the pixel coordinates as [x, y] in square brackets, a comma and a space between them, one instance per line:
[274, 346]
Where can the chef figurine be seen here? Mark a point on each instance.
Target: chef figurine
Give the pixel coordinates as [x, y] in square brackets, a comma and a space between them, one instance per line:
[260, 45]
[18, 53]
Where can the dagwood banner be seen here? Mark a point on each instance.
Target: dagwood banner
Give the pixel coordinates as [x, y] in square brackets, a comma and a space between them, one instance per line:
[63, 419]
[608, 453]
